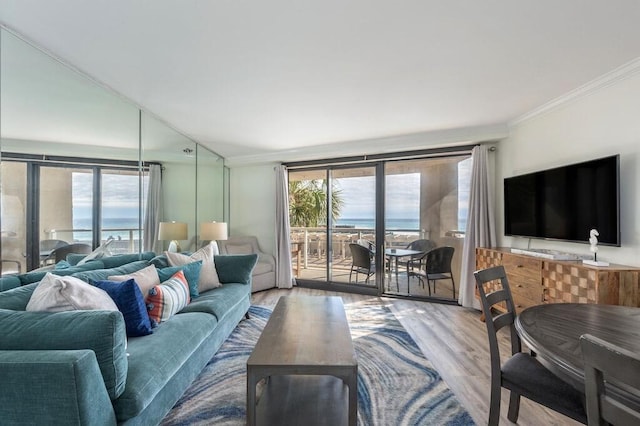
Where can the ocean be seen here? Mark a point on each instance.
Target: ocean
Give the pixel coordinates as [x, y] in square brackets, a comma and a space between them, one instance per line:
[369, 223]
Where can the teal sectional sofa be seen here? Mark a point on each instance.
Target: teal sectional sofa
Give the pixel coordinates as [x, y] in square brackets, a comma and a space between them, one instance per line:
[79, 367]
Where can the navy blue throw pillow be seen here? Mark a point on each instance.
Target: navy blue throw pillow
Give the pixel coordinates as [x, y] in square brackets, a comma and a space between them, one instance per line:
[129, 300]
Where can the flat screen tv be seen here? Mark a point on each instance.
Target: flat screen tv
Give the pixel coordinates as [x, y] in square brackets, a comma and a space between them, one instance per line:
[565, 203]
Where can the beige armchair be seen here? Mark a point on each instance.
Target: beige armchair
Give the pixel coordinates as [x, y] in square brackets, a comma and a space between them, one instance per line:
[264, 274]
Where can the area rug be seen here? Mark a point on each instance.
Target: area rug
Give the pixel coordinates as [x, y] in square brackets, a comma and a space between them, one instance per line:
[396, 384]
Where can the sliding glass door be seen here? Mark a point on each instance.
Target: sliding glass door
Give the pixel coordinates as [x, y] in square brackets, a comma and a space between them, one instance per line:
[396, 226]
[426, 204]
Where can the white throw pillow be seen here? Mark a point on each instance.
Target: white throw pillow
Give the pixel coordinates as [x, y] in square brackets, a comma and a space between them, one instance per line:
[57, 294]
[208, 275]
[146, 278]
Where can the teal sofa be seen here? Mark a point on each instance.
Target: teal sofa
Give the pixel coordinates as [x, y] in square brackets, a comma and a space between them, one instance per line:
[79, 368]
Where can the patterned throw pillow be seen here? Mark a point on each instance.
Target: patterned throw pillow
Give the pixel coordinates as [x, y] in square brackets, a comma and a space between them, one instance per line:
[168, 298]
[191, 273]
[208, 275]
[130, 302]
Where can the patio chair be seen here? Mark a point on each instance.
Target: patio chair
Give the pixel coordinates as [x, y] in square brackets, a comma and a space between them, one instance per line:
[433, 266]
[522, 374]
[361, 262]
[61, 253]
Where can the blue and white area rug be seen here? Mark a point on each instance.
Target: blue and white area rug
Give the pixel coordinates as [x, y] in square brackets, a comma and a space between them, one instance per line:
[396, 383]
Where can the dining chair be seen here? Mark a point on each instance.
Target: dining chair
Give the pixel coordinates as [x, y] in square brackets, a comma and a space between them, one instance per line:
[361, 261]
[522, 374]
[432, 266]
[605, 361]
[421, 245]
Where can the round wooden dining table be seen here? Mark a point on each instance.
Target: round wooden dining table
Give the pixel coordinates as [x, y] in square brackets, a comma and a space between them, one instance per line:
[553, 332]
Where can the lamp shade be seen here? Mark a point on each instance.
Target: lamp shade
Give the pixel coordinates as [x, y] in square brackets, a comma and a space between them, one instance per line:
[213, 231]
[172, 231]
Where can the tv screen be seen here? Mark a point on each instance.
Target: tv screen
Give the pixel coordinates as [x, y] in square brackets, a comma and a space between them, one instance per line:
[565, 203]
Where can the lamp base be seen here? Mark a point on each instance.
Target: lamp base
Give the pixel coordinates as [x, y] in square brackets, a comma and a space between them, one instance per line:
[174, 247]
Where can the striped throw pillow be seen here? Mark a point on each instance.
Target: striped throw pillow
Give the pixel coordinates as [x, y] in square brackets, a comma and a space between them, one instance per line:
[168, 298]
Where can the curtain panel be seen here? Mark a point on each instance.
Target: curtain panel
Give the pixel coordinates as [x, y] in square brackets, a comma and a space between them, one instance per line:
[481, 226]
[284, 276]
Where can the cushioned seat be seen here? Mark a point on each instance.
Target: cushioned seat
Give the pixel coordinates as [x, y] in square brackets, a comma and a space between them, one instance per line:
[218, 303]
[155, 359]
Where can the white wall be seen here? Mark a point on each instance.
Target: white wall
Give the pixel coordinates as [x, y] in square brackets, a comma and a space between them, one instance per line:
[600, 123]
[252, 203]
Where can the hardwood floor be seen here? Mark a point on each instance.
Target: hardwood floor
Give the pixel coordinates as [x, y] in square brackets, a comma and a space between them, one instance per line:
[454, 340]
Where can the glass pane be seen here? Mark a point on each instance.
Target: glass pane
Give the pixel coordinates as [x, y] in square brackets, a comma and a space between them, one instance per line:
[120, 212]
[308, 218]
[354, 222]
[14, 201]
[66, 209]
[426, 204]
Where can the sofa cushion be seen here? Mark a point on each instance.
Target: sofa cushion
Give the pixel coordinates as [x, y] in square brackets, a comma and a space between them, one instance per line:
[123, 259]
[146, 278]
[101, 331]
[38, 274]
[16, 299]
[219, 301]
[56, 294]
[191, 273]
[155, 359]
[239, 248]
[167, 299]
[9, 282]
[103, 274]
[235, 268]
[208, 275]
[129, 300]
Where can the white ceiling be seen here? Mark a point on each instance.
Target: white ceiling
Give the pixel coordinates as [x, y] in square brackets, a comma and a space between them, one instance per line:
[299, 78]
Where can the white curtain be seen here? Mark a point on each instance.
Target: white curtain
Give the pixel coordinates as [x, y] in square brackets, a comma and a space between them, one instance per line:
[481, 226]
[153, 208]
[284, 276]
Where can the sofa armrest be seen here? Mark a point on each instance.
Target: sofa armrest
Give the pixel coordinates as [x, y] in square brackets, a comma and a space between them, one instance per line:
[266, 258]
[53, 387]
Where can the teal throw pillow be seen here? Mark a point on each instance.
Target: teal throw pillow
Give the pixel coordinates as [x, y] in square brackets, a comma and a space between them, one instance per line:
[191, 273]
[235, 268]
[129, 300]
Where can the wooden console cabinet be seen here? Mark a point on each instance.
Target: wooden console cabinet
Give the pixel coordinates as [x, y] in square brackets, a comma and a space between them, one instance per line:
[535, 280]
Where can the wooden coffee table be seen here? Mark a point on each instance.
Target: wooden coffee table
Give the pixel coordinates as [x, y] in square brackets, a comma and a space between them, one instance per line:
[306, 354]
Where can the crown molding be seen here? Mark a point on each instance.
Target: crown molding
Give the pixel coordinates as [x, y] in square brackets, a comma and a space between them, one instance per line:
[414, 141]
[621, 73]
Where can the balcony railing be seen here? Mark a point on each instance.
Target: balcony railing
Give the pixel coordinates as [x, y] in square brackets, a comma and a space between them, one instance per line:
[127, 240]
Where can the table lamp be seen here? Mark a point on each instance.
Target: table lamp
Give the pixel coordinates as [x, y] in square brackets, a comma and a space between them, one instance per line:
[173, 231]
[213, 231]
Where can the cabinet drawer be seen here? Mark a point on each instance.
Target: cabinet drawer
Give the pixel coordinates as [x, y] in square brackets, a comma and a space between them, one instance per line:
[523, 269]
[531, 291]
[522, 303]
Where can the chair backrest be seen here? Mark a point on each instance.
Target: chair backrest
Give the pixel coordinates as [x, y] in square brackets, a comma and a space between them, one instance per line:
[365, 243]
[606, 361]
[61, 252]
[361, 256]
[439, 260]
[239, 245]
[48, 245]
[506, 319]
[421, 245]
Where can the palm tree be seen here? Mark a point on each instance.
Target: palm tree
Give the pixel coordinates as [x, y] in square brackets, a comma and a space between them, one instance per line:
[308, 203]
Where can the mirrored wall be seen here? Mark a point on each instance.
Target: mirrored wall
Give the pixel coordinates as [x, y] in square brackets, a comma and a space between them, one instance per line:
[77, 166]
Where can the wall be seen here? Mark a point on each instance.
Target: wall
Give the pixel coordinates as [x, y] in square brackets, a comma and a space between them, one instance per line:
[599, 123]
[253, 204]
